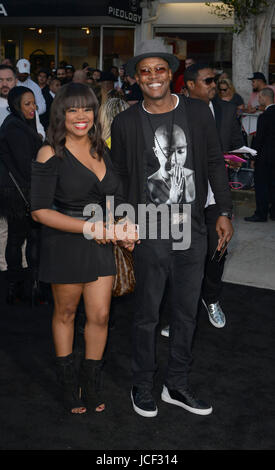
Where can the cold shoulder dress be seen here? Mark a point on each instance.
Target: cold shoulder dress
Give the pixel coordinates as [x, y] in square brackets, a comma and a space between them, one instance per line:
[66, 185]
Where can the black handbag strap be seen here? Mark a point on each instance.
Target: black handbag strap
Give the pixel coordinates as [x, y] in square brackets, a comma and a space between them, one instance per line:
[19, 190]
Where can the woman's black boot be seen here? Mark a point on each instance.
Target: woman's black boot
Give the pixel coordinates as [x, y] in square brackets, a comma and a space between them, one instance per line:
[91, 384]
[68, 378]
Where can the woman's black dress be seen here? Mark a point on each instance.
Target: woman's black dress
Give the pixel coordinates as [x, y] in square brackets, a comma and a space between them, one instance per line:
[68, 185]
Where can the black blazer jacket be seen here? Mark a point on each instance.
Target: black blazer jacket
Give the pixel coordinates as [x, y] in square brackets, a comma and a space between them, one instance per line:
[19, 144]
[228, 127]
[128, 148]
[265, 137]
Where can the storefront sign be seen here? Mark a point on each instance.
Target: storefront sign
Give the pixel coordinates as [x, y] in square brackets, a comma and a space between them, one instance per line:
[41, 8]
[128, 10]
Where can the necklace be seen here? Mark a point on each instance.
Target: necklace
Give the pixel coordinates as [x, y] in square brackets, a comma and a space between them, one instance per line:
[171, 130]
[174, 107]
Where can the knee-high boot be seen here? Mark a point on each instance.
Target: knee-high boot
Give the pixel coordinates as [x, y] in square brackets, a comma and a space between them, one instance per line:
[69, 381]
[91, 382]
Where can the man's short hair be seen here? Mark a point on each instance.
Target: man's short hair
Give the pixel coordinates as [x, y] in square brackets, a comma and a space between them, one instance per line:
[43, 70]
[268, 92]
[192, 72]
[55, 78]
[7, 67]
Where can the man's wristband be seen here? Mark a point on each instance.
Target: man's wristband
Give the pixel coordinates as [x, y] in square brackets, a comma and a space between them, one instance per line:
[226, 214]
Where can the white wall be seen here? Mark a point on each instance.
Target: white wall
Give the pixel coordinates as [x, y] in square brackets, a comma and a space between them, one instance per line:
[191, 14]
[178, 14]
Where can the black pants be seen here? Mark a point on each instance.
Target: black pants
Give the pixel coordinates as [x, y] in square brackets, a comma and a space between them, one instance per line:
[212, 281]
[264, 176]
[20, 230]
[155, 263]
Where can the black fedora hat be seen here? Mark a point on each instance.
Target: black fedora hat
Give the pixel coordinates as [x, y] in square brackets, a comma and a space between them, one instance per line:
[151, 48]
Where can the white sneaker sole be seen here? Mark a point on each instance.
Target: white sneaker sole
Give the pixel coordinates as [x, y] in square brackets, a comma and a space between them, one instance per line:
[166, 397]
[165, 333]
[144, 413]
[210, 319]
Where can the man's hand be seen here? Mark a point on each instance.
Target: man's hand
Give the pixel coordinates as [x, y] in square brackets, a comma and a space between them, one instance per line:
[224, 230]
[127, 234]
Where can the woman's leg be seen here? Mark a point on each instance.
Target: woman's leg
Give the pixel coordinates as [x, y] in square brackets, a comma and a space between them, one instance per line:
[66, 299]
[17, 233]
[97, 300]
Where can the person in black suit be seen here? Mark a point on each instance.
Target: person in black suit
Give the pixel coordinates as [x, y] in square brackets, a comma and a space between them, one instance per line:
[42, 80]
[265, 162]
[157, 261]
[201, 84]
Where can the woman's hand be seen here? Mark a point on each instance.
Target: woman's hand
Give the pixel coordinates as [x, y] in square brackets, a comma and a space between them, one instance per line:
[100, 233]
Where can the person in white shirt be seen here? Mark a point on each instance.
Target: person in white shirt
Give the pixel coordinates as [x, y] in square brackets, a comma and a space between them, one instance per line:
[23, 79]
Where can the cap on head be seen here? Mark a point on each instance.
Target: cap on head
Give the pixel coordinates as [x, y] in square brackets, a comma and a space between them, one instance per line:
[151, 48]
[258, 76]
[23, 66]
[107, 77]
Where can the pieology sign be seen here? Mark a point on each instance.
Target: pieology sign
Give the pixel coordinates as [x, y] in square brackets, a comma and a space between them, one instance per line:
[128, 10]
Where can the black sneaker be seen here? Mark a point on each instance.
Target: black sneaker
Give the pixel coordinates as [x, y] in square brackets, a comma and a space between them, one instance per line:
[143, 402]
[186, 400]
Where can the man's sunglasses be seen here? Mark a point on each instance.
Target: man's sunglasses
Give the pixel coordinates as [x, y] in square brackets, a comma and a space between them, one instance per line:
[209, 80]
[147, 70]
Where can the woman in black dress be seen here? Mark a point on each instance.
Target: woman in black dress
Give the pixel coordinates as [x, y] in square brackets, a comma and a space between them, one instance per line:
[74, 170]
[19, 144]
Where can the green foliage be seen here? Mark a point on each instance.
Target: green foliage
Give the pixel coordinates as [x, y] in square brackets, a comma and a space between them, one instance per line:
[241, 10]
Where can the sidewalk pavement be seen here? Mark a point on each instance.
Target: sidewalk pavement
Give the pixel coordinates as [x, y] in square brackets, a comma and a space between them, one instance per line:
[251, 253]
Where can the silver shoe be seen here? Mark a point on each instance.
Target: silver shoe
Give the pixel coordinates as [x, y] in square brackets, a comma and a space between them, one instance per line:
[165, 331]
[215, 314]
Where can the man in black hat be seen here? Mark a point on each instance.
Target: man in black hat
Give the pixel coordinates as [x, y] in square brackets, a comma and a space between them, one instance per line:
[134, 136]
[258, 83]
[107, 80]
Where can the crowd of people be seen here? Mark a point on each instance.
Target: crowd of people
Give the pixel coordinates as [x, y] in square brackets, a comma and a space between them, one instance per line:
[71, 138]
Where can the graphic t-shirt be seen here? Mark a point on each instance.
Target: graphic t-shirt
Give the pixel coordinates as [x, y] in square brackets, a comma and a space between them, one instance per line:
[170, 169]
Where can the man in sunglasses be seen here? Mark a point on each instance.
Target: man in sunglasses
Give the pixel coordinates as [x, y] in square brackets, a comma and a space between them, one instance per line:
[200, 81]
[157, 261]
